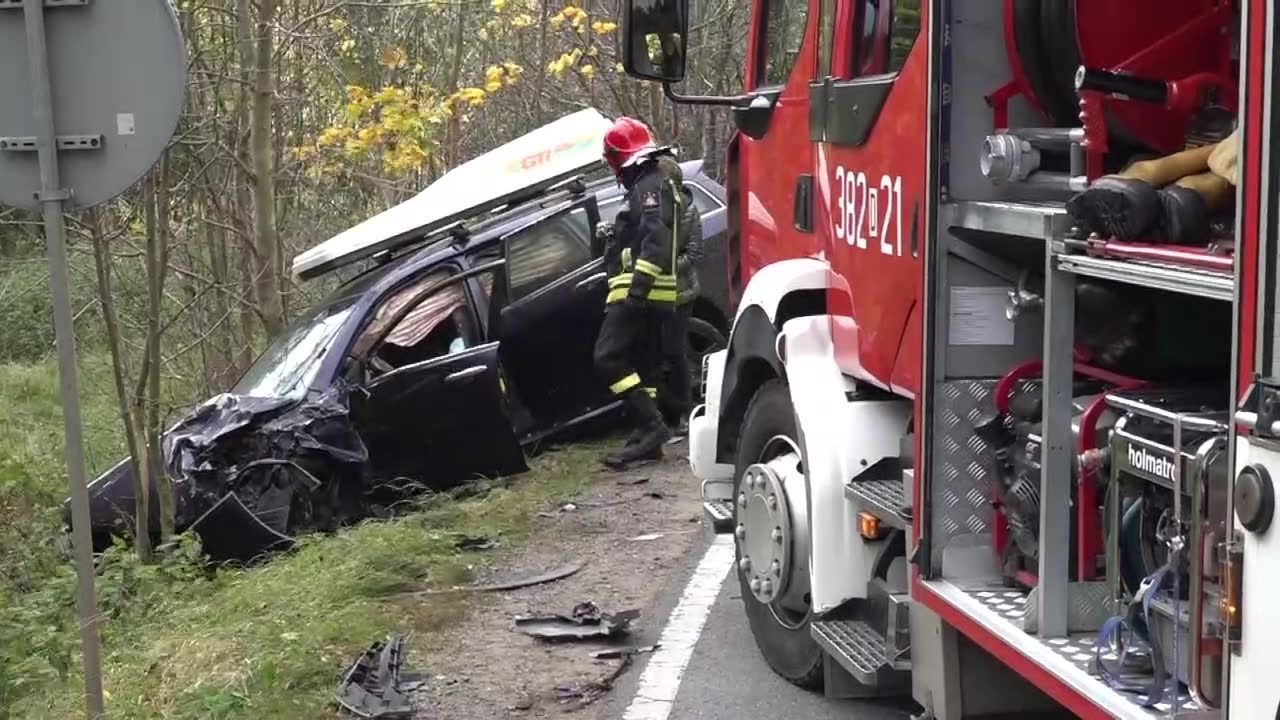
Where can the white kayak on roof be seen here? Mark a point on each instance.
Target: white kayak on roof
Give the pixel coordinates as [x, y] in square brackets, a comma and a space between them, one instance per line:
[549, 155]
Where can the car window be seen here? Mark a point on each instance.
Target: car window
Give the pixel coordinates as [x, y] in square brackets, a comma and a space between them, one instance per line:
[289, 366]
[580, 223]
[705, 201]
[609, 210]
[538, 255]
[439, 323]
[391, 306]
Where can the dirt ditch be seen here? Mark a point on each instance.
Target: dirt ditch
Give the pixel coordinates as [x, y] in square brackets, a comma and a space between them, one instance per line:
[633, 530]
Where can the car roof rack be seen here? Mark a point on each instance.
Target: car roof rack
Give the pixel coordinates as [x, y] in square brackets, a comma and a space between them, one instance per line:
[530, 166]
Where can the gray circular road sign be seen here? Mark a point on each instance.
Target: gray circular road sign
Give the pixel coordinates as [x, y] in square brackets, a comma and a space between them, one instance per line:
[118, 72]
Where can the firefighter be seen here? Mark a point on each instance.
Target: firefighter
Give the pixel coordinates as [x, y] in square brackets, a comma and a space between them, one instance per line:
[675, 394]
[640, 260]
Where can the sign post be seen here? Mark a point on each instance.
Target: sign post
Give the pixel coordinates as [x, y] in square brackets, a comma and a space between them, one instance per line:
[94, 95]
[50, 196]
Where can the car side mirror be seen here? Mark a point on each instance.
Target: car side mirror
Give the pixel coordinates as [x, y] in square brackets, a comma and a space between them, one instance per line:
[654, 39]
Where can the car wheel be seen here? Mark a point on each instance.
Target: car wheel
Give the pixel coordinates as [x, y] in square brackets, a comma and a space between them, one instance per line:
[702, 339]
[771, 535]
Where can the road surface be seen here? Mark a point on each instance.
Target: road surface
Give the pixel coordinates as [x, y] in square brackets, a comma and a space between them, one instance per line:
[712, 670]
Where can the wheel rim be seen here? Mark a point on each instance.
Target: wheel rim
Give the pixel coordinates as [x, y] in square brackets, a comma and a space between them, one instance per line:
[773, 532]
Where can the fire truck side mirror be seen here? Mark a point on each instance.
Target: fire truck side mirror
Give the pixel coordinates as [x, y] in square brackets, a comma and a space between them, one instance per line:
[654, 39]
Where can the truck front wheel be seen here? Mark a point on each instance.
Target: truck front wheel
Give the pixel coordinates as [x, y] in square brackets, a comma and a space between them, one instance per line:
[771, 535]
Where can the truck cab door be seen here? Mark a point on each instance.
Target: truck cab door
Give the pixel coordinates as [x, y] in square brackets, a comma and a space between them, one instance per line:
[870, 124]
[776, 153]
[431, 406]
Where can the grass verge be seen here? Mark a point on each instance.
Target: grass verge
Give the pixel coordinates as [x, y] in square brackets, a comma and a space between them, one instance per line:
[270, 641]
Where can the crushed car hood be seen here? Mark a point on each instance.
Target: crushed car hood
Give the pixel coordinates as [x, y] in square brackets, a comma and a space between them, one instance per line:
[249, 474]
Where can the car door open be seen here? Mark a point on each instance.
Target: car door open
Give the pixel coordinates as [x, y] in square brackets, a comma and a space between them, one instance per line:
[433, 410]
[555, 304]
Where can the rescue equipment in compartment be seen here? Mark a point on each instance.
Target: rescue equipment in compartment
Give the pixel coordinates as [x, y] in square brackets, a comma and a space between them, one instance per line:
[1167, 516]
[1015, 432]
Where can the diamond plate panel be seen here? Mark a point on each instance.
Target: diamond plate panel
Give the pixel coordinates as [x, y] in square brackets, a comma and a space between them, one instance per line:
[965, 464]
[1089, 605]
[1078, 648]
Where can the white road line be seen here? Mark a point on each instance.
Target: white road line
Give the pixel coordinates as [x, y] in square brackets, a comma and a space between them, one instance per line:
[656, 692]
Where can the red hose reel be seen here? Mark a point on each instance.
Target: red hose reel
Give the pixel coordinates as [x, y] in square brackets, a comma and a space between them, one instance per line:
[1169, 60]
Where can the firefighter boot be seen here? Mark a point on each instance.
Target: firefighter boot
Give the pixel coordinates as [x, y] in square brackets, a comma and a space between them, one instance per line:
[646, 444]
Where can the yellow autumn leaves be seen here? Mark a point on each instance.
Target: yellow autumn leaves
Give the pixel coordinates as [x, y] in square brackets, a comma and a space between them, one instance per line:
[396, 131]
[576, 18]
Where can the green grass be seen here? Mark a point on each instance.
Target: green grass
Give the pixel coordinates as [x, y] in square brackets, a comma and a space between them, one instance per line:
[182, 641]
[32, 469]
[270, 642]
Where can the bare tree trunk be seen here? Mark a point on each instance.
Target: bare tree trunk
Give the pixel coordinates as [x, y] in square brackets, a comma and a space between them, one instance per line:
[244, 199]
[538, 103]
[157, 266]
[453, 131]
[141, 490]
[655, 109]
[267, 287]
[222, 361]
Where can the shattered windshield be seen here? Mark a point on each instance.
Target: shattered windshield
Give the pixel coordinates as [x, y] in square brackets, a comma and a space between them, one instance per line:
[289, 365]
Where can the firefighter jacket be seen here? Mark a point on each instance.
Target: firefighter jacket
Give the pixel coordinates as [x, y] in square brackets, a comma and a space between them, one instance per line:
[689, 254]
[642, 258]
[688, 234]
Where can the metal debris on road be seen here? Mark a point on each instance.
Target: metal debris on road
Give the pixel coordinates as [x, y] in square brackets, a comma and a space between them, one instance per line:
[585, 621]
[559, 573]
[588, 693]
[375, 687]
[623, 652]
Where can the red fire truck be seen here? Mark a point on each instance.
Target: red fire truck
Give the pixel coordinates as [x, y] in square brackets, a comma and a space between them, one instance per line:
[968, 448]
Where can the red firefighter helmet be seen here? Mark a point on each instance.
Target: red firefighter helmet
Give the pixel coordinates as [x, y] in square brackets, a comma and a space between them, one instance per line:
[627, 142]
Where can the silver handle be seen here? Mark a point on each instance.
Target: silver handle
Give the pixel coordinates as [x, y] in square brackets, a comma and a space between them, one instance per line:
[464, 374]
[587, 282]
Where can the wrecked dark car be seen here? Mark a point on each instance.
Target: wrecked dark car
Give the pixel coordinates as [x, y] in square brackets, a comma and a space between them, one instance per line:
[466, 342]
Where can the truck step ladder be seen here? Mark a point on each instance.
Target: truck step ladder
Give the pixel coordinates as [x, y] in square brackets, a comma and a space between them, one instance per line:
[717, 505]
[881, 497]
[858, 648]
[719, 515]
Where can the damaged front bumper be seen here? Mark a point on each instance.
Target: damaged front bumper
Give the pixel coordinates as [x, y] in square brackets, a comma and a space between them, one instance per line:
[308, 472]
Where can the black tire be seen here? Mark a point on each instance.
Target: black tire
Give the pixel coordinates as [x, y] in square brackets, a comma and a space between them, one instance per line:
[790, 651]
[702, 339]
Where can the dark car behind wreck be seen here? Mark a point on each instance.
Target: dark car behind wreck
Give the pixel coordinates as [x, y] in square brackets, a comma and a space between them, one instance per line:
[457, 351]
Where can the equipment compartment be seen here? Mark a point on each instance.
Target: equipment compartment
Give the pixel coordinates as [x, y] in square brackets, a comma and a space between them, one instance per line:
[1077, 395]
